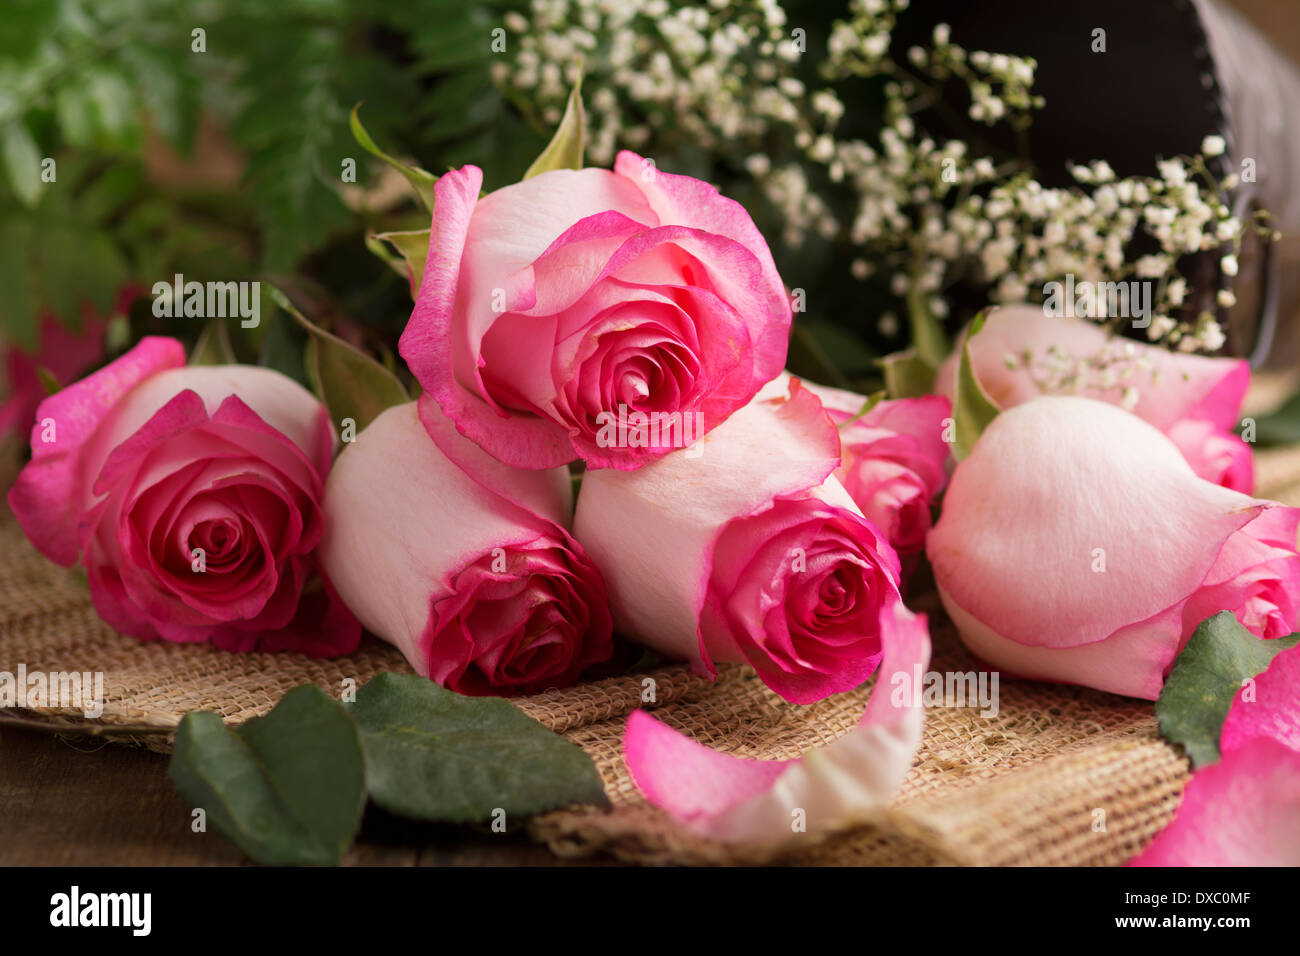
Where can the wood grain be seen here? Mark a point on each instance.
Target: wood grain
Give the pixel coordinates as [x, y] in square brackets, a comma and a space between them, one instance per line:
[68, 801]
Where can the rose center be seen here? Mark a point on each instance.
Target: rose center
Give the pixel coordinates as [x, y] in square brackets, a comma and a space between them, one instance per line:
[219, 539]
[633, 389]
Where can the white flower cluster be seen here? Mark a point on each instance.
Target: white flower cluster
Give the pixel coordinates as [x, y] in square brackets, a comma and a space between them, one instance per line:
[925, 214]
[1112, 368]
[717, 72]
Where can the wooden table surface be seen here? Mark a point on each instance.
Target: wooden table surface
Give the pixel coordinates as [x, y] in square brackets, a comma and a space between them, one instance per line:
[77, 801]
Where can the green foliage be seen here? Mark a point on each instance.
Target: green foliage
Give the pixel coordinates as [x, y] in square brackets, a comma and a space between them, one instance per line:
[432, 754]
[972, 410]
[421, 180]
[287, 788]
[1282, 425]
[564, 151]
[350, 383]
[1205, 678]
[103, 87]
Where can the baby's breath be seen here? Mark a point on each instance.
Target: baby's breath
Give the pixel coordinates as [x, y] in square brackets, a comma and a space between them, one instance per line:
[925, 211]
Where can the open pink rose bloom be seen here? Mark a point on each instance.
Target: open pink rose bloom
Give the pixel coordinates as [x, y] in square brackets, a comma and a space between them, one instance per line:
[553, 308]
[193, 498]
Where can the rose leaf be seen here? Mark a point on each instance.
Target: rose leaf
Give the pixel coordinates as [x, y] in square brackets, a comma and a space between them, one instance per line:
[287, 788]
[907, 375]
[433, 754]
[414, 248]
[973, 409]
[351, 384]
[420, 179]
[564, 151]
[213, 346]
[1205, 679]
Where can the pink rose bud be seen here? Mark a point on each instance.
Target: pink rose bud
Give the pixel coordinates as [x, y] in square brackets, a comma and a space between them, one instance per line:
[1076, 544]
[611, 316]
[1194, 399]
[746, 548]
[892, 458]
[193, 498]
[460, 561]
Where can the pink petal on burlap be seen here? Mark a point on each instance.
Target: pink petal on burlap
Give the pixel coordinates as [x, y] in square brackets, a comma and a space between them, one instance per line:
[740, 800]
[1242, 811]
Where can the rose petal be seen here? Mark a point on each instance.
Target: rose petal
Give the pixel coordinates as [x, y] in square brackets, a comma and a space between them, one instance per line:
[677, 506]
[397, 556]
[1242, 811]
[1171, 386]
[49, 495]
[1275, 710]
[735, 799]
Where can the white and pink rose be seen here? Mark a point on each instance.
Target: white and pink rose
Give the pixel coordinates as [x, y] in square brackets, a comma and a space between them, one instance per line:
[551, 304]
[192, 496]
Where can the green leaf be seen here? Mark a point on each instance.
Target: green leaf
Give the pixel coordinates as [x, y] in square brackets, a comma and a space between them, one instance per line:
[282, 349]
[213, 346]
[18, 310]
[907, 375]
[928, 335]
[48, 380]
[287, 788]
[422, 180]
[22, 161]
[973, 409]
[349, 382]
[414, 247]
[433, 754]
[564, 151]
[1281, 426]
[870, 402]
[1205, 678]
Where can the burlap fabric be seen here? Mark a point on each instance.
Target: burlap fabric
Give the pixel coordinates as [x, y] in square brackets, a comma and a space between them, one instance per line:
[1060, 775]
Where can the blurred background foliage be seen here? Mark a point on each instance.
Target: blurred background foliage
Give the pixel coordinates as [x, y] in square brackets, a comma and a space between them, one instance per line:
[208, 138]
[219, 154]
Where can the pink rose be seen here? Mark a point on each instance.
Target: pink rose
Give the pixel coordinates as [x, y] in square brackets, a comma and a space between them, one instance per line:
[892, 458]
[65, 353]
[460, 561]
[193, 498]
[746, 548]
[554, 307]
[1195, 400]
[1077, 545]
